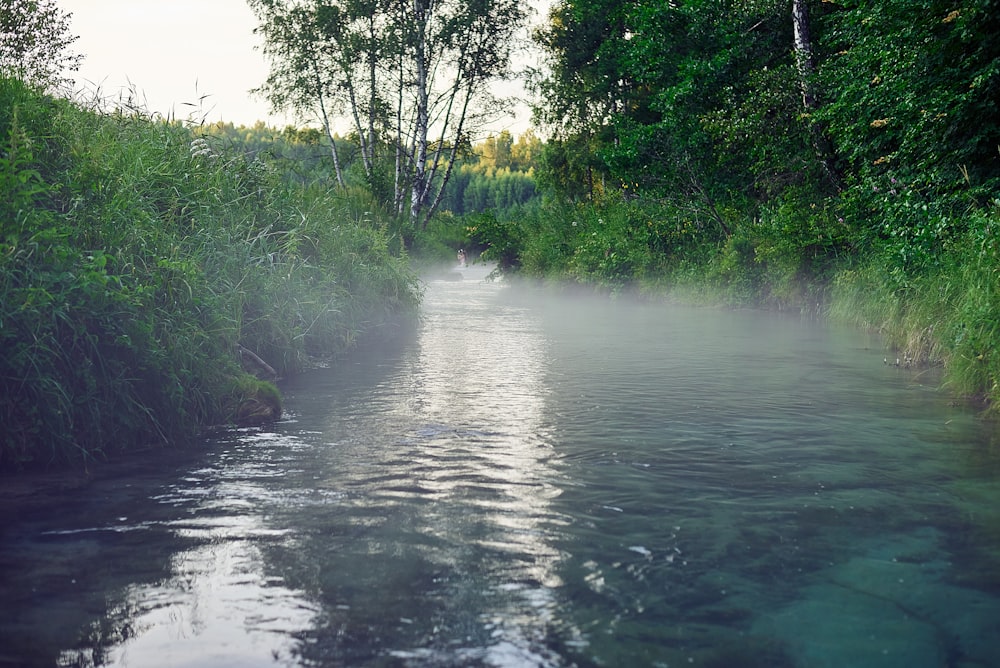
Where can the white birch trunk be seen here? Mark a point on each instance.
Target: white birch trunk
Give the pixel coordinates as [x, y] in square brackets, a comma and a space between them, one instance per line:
[803, 52]
[422, 14]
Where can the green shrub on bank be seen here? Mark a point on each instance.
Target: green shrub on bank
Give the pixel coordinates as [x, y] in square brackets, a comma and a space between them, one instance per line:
[137, 259]
[781, 255]
[927, 275]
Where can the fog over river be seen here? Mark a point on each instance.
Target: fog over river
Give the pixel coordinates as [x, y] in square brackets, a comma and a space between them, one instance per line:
[531, 480]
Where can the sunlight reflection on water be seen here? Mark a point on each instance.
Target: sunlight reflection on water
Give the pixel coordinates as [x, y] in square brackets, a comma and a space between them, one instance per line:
[530, 481]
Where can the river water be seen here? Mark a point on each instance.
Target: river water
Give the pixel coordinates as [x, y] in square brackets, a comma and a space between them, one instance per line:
[525, 480]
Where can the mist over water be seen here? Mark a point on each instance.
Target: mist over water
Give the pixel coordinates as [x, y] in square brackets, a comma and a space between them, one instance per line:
[535, 480]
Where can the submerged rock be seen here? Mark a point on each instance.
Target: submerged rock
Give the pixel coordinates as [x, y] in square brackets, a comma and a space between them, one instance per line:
[885, 609]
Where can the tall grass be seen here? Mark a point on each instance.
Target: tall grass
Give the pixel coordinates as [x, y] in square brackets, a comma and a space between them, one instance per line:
[948, 314]
[137, 258]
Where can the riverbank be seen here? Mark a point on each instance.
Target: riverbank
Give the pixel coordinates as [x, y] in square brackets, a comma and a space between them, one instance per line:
[138, 260]
[935, 300]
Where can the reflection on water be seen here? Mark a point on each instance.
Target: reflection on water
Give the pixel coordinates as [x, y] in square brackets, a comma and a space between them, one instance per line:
[527, 481]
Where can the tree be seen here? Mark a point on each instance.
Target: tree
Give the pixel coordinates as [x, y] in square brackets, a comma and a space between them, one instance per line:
[585, 81]
[584, 86]
[806, 66]
[526, 151]
[496, 151]
[914, 88]
[697, 101]
[34, 38]
[414, 78]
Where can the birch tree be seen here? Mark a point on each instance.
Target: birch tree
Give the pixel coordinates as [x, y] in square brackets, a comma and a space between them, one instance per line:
[414, 79]
[322, 60]
[805, 65]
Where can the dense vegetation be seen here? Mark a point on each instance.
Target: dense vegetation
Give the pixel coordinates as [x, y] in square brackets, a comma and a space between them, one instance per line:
[846, 160]
[139, 260]
[840, 156]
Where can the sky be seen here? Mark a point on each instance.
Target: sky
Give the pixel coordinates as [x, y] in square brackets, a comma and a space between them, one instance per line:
[185, 59]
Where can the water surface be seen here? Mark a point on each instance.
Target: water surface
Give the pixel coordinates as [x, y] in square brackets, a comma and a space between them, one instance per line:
[532, 481]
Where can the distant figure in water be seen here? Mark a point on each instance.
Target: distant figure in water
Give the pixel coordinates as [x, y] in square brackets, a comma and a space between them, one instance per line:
[461, 257]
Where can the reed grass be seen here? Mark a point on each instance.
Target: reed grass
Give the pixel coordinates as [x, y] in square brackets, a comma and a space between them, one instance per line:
[948, 314]
[136, 257]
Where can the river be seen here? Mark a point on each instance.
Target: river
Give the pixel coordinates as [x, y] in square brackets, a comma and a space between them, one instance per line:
[541, 481]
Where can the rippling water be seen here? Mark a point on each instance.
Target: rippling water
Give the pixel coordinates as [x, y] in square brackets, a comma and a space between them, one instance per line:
[532, 481]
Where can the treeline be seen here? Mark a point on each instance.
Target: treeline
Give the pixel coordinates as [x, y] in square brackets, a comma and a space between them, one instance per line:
[841, 156]
[496, 174]
[146, 268]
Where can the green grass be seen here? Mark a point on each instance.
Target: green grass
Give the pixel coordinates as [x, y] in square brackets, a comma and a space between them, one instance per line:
[135, 259]
[948, 314]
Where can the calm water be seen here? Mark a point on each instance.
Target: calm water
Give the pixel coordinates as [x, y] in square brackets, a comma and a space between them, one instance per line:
[523, 481]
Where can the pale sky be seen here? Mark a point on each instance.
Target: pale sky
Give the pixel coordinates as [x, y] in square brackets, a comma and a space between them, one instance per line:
[173, 52]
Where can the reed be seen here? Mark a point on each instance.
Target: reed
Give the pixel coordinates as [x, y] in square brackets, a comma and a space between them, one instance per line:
[947, 314]
[136, 258]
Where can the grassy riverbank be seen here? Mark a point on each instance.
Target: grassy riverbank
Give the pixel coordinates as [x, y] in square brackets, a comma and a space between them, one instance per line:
[934, 293]
[138, 261]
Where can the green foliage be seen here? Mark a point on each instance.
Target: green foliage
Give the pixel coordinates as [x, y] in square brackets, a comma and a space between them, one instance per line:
[612, 244]
[136, 257]
[34, 42]
[948, 314]
[801, 243]
[415, 80]
[913, 88]
[438, 244]
[699, 101]
[972, 327]
[502, 241]
[609, 252]
[572, 170]
[498, 175]
[300, 155]
[473, 191]
[586, 78]
[20, 181]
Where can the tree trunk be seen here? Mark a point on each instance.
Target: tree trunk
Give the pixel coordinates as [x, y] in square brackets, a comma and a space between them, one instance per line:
[418, 189]
[806, 67]
[329, 135]
[803, 52]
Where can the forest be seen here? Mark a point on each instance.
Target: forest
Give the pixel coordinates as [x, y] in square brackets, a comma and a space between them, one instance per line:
[836, 158]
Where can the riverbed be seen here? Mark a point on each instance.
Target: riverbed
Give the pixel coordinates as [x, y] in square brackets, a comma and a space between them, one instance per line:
[533, 479]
